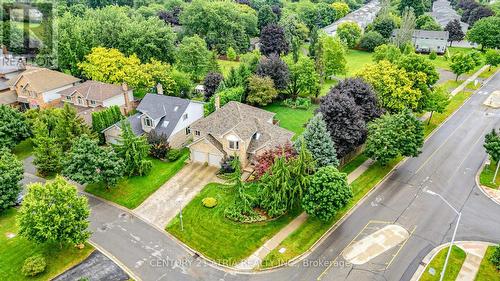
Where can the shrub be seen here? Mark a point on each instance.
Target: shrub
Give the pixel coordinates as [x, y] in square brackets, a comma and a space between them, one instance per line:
[495, 258]
[433, 55]
[371, 40]
[34, 265]
[301, 103]
[231, 54]
[159, 145]
[226, 166]
[209, 202]
[265, 160]
[174, 154]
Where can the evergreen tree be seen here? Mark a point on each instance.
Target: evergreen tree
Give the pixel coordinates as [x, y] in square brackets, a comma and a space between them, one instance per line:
[86, 163]
[13, 127]
[11, 172]
[69, 127]
[266, 16]
[327, 194]
[318, 141]
[54, 212]
[47, 150]
[134, 151]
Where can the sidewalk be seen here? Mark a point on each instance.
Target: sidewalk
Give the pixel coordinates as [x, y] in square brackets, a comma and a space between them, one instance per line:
[475, 251]
[470, 79]
[255, 259]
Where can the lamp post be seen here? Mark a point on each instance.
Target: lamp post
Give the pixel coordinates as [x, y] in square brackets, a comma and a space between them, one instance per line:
[454, 232]
[179, 201]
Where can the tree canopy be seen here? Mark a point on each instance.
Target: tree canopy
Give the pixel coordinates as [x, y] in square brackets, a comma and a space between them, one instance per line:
[486, 32]
[13, 127]
[11, 173]
[349, 33]
[318, 141]
[134, 151]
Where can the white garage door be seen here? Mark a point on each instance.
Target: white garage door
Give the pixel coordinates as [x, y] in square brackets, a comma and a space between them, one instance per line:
[214, 160]
[199, 156]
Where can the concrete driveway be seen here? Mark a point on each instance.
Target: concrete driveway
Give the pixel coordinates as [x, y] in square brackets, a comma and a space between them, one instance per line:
[162, 205]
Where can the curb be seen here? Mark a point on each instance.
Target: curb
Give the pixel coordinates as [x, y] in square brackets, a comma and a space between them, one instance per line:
[433, 253]
[482, 187]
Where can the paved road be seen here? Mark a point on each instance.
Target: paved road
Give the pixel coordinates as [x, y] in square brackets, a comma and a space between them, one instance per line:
[448, 164]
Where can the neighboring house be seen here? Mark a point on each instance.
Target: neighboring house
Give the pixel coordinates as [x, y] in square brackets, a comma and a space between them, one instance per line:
[40, 87]
[7, 72]
[170, 116]
[91, 96]
[236, 129]
[426, 41]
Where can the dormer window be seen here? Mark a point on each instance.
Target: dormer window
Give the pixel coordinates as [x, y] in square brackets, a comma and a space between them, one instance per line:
[148, 122]
[68, 98]
[234, 145]
[197, 133]
[185, 116]
[256, 136]
[79, 99]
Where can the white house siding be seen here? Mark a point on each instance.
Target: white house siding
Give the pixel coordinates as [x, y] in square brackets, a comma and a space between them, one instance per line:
[54, 94]
[194, 111]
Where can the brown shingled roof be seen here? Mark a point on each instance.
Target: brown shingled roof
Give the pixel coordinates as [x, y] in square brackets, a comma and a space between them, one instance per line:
[43, 79]
[94, 90]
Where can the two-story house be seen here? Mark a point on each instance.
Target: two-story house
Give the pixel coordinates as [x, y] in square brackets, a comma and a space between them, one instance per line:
[40, 87]
[236, 129]
[91, 96]
[167, 115]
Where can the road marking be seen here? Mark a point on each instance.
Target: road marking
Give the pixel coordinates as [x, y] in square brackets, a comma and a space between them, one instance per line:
[404, 243]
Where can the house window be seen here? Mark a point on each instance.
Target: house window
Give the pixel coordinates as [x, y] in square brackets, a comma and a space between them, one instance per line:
[185, 116]
[256, 136]
[79, 100]
[234, 145]
[68, 98]
[188, 131]
[148, 122]
[92, 102]
[197, 133]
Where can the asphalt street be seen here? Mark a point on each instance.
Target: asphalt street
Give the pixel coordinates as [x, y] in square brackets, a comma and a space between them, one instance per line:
[447, 165]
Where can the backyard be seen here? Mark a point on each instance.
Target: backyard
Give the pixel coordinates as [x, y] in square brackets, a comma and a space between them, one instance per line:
[131, 192]
[208, 231]
[15, 249]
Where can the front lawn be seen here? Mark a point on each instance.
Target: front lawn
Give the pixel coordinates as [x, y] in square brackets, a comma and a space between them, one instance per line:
[226, 65]
[218, 238]
[13, 252]
[486, 176]
[131, 192]
[356, 60]
[23, 149]
[487, 271]
[455, 262]
[292, 119]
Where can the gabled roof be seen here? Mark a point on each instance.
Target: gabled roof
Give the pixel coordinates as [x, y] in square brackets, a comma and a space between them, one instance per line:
[43, 79]
[94, 90]
[233, 116]
[158, 106]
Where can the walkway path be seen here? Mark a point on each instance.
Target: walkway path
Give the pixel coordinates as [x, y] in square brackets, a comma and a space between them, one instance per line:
[470, 79]
[162, 205]
[475, 253]
[255, 259]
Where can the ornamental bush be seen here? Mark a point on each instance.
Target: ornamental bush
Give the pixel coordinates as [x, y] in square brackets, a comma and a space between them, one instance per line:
[209, 202]
[34, 265]
[495, 258]
[174, 154]
[433, 55]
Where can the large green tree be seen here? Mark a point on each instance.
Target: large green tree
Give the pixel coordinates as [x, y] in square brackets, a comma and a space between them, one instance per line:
[54, 212]
[492, 57]
[266, 16]
[86, 163]
[193, 56]
[331, 56]
[134, 151]
[69, 126]
[261, 90]
[11, 172]
[222, 24]
[13, 127]
[327, 194]
[462, 63]
[47, 150]
[349, 33]
[318, 141]
[436, 101]
[393, 86]
[393, 135]
[417, 6]
[304, 80]
[486, 32]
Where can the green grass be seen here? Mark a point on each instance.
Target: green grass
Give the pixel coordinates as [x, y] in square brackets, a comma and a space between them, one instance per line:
[24, 149]
[356, 60]
[312, 229]
[15, 250]
[354, 163]
[455, 262]
[325, 88]
[220, 239]
[438, 118]
[290, 118]
[486, 176]
[131, 192]
[226, 65]
[487, 271]
[488, 72]
[442, 62]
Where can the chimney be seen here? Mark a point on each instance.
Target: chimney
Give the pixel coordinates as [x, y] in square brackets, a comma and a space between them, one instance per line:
[128, 105]
[159, 89]
[125, 87]
[217, 102]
